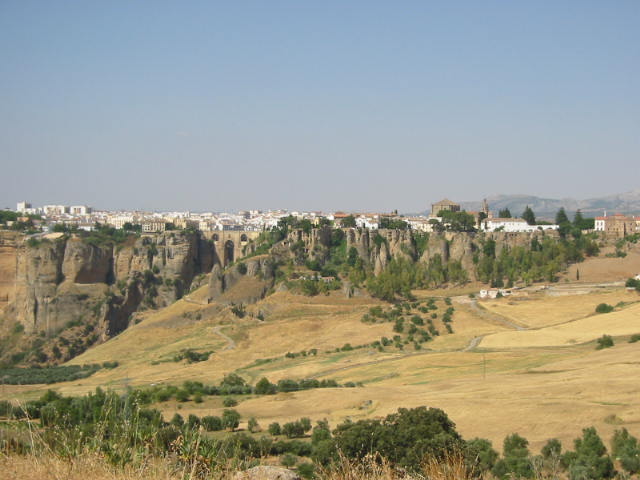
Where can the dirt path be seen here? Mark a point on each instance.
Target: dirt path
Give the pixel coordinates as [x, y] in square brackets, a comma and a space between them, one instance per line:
[230, 343]
[475, 341]
[495, 317]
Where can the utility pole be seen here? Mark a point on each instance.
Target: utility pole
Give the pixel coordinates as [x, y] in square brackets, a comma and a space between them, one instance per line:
[484, 367]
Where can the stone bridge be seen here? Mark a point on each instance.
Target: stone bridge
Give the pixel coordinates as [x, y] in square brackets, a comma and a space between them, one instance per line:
[230, 244]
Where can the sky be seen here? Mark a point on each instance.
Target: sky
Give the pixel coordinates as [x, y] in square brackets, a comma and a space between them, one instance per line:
[306, 105]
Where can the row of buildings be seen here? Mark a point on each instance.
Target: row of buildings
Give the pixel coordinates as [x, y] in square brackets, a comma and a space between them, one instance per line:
[618, 225]
[85, 217]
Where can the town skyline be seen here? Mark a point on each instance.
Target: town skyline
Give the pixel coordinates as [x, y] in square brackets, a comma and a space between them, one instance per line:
[364, 106]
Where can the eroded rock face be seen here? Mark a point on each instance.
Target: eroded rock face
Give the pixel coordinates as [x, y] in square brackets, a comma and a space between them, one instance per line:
[70, 279]
[87, 263]
[245, 282]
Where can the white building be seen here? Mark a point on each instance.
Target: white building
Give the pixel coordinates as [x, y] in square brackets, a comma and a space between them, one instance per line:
[153, 226]
[118, 221]
[370, 222]
[55, 210]
[513, 225]
[23, 207]
[599, 224]
[80, 210]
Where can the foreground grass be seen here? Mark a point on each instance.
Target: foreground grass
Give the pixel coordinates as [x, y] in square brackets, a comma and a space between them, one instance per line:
[95, 467]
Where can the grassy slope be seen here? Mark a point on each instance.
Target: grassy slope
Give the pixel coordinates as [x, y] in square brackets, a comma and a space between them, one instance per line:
[537, 382]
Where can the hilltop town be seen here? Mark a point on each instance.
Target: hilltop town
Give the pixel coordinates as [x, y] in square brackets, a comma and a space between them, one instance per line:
[82, 217]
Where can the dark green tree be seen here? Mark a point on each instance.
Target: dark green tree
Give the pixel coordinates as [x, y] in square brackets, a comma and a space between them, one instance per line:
[626, 449]
[230, 419]
[529, 216]
[404, 438]
[274, 429]
[265, 387]
[590, 460]
[481, 455]
[561, 217]
[504, 213]
[515, 459]
[348, 222]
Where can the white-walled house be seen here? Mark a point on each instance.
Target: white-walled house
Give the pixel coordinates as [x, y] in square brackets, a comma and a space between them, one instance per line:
[513, 225]
[368, 222]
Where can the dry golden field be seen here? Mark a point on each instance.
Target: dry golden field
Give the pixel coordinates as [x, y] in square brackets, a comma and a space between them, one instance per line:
[492, 380]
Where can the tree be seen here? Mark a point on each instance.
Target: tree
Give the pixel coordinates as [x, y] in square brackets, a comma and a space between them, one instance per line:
[590, 460]
[481, 455]
[457, 221]
[348, 222]
[253, 425]
[561, 217]
[626, 449]
[274, 429]
[230, 419]
[515, 459]
[529, 216]
[404, 438]
[504, 213]
[265, 387]
[211, 423]
[552, 448]
[293, 429]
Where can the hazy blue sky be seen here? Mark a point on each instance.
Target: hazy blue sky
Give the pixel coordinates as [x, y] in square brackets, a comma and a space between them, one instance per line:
[362, 105]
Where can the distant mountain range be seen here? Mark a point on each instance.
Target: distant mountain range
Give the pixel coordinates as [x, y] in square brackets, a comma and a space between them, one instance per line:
[628, 203]
[546, 208]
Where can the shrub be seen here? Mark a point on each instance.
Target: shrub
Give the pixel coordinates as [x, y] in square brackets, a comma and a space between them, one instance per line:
[230, 419]
[274, 429]
[293, 429]
[211, 423]
[604, 342]
[604, 308]
[515, 461]
[229, 402]
[635, 338]
[421, 431]
[288, 460]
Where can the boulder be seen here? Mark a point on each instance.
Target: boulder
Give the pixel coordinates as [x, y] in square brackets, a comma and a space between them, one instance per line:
[265, 472]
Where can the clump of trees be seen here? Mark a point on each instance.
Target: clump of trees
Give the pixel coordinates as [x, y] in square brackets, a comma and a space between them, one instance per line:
[65, 373]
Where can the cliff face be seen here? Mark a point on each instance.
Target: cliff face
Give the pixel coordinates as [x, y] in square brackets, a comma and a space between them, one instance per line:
[70, 280]
[377, 248]
[245, 282]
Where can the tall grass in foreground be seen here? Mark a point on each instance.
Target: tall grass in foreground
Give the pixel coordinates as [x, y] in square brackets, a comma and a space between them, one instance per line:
[92, 466]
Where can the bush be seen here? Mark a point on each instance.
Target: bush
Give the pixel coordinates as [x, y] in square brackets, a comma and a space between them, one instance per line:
[421, 431]
[635, 338]
[515, 461]
[230, 419]
[604, 342]
[229, 402]
[288, 460]
[275, 429]
[604, 308]
[211, 423]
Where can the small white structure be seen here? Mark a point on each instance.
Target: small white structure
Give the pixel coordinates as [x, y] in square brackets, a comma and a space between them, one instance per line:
[369, 222]
[493, 293]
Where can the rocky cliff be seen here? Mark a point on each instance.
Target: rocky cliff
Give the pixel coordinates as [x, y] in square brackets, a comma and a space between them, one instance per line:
[51, 285]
